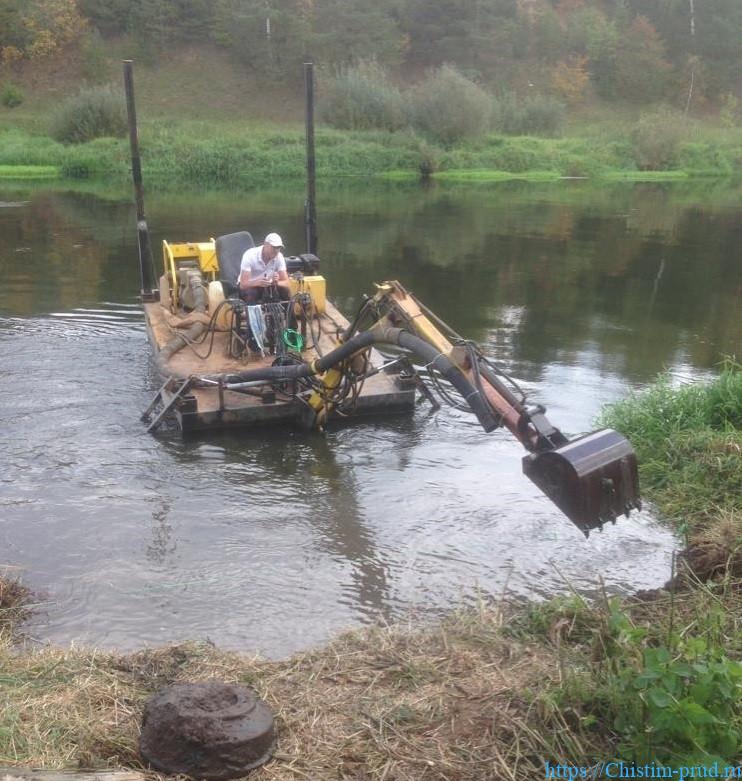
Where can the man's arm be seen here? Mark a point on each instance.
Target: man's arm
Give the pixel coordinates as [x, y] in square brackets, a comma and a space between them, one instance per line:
[247, 281]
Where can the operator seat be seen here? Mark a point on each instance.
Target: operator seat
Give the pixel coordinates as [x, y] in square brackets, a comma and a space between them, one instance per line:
[229, 251]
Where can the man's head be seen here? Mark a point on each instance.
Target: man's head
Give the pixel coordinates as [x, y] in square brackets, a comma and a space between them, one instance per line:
[272, 245]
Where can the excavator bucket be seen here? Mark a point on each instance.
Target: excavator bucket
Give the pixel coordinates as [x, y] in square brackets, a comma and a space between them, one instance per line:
[592, 479]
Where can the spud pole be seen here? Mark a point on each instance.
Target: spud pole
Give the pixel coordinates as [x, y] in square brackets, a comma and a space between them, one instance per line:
[310, 209]
[146, 264]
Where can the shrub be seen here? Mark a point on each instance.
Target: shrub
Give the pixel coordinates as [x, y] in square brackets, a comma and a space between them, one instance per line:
[656, 138]
[535, 115]
[11, 96]
[93, 113]
[360, 97]
[449, 107]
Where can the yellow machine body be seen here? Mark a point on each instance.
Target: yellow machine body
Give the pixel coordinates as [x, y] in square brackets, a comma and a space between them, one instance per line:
[313, 285]
[199, 254]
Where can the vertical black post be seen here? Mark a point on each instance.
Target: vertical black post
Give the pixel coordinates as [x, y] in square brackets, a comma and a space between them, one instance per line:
[310, 209]
[146, 264]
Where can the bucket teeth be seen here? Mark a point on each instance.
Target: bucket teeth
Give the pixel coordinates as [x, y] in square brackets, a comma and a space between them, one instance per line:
[592, 479]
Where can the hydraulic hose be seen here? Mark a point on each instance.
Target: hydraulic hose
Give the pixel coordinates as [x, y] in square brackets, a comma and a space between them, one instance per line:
[179, 341]
[388, 336]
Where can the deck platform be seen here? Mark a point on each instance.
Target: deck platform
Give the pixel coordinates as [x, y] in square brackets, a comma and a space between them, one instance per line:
[201, 409]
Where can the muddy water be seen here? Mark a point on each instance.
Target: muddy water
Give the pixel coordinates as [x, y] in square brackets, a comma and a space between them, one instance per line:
[275, 541]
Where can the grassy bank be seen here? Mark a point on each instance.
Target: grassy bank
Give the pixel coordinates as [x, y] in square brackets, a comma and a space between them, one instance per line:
[490, 693]
[229, 153]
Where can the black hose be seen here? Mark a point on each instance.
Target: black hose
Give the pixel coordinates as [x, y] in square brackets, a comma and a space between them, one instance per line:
[393, 336]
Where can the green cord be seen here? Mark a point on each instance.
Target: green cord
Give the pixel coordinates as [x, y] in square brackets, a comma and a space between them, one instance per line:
[293, 339]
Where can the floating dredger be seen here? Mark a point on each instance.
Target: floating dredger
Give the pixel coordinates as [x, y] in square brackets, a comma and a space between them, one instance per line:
[299, 361]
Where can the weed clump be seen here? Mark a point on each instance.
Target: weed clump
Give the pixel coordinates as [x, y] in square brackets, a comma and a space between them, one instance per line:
[11, 96]
[14, 600]
[93, 113]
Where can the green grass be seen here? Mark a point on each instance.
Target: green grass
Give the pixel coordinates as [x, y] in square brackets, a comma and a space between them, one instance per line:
[645, 176]
[29, 171]
[688, 441]
[235, 153]
[489, 175]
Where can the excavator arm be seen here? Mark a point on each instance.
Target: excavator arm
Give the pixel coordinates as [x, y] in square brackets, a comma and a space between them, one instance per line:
[592, 479]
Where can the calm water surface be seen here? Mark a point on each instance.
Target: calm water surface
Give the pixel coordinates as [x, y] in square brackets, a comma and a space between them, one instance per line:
[274, 541]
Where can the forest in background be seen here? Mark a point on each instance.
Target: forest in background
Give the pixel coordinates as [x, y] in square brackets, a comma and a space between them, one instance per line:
[676, 51]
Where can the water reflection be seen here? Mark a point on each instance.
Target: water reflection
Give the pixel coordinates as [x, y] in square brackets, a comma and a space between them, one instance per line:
[275, 540]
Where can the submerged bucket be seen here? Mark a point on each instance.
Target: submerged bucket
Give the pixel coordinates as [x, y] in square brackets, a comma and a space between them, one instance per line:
[592, 479]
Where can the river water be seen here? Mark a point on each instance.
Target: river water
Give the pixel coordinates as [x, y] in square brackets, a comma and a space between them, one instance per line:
[274, 541]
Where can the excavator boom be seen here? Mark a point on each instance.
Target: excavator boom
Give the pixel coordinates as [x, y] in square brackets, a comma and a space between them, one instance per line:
[592, 479]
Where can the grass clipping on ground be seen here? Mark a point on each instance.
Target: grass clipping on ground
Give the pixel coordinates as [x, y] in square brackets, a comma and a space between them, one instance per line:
[380, 703]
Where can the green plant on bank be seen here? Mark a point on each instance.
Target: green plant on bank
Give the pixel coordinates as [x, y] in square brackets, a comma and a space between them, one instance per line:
[11, 96]
[688, 441]
[93, 113]
[678, 702]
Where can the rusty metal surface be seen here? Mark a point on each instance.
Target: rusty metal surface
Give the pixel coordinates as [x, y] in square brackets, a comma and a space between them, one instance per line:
[592, 479]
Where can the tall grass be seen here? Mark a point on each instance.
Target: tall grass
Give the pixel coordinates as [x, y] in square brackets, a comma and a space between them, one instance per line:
[688, 441]
[236, 154]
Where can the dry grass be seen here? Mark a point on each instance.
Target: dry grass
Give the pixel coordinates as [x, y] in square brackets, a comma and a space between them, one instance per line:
[14, 600]
[486, 694]
[716, 550]
[454, 702]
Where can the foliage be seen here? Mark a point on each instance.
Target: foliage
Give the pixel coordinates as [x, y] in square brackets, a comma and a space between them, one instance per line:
[656, 138]
[676, 703]
[569, 79]
[534, 115]
[361, 97]
[11, 96]
[448, 107]
[92, 113]
[38, 28]
[642, 72]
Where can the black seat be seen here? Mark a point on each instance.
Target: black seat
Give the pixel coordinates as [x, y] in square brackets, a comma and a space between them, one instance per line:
[229, 251]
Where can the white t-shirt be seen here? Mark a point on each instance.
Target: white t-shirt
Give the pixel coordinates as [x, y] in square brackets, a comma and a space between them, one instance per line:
[253, 262]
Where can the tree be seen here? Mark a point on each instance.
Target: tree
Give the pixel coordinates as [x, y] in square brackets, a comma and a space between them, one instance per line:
[641, 68]
[38, 28]
[570, 78]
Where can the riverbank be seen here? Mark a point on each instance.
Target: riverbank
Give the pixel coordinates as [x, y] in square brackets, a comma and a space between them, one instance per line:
[491, 692]
[237, 154]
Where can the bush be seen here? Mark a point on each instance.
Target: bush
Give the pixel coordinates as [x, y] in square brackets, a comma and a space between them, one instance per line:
[93, 113]
[360, 97]
[536, 115]
[11, 96]
[656, 138]
[449, 107]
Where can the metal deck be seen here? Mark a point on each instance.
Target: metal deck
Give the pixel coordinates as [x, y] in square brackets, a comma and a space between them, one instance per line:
[209, 408]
